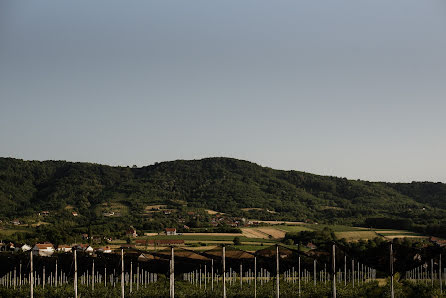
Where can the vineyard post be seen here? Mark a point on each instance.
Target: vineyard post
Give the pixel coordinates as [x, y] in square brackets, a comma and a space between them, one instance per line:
[241, 276]
[105, 275]
[212, 273]
[345, 269]
[353, 273]
[432, 272]
[55, 275]
[172, 273]
[43, 280]
[314, 271]
[299, 276]
[325, 273]
[362, 273]
[277, 271]
[75, 274]
[122, 273]
[31, 273]
[439, 276]
[131, 276]
[205, 276]
[255, 276]
[92, 277]
[20, 273]
[15, 277]
[137, 276]
[334, 270]
[391, 271]
[224, 272]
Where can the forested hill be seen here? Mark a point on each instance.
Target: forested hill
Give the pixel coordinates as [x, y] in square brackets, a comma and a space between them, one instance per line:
[221, 184]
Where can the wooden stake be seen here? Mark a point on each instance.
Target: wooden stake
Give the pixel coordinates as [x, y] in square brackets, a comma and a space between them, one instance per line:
[439, 276]
[224, 272]
[122, 273]
[277, 272]
[172, 273]
[31, 278]
[241, 276]
[75, 275]
[314, 272]
[345, 270]
[131, 276]
[432, 272]
[137, 276]
[333, 270]
[299, 276]
[255, 277]
[55, 276]
[392, 294]
[353, 273]
[92, 277]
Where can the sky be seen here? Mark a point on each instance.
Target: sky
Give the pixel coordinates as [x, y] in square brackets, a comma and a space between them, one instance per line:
[346, 88]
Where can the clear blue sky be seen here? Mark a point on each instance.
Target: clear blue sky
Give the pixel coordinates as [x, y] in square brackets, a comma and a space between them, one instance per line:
[347, 88]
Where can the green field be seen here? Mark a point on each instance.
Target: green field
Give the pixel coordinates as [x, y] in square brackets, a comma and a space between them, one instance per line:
[205, 238]
[294, 228]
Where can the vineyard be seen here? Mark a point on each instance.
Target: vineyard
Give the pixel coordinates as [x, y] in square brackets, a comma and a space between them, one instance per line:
[276, 271]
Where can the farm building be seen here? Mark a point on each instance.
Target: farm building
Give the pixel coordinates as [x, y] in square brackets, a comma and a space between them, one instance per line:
[83, 247]
[24, 247]
[171, 231]
[43, 249]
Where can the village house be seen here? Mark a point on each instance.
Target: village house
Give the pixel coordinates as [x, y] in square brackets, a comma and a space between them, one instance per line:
[104, 250]
[44, 213]
[24, 247]
[64, 248]
[74, 213]
[171, 231]
[43, 249]
[15, 222]
[131, 232]
[83, 248]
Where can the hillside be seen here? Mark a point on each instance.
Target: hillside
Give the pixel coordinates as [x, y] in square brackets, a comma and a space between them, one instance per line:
[221, 184]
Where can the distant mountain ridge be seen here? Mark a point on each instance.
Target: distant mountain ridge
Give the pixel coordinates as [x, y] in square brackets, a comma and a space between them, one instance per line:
[221, 184]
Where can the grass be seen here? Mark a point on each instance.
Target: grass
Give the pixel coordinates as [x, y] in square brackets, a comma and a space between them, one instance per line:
[252, 247]
[356, 235]
[294, 228]
[205, 238]
[9, 232]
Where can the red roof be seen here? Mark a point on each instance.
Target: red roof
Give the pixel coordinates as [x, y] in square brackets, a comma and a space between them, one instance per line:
[44, 245]
[64, 246]
[171, 229]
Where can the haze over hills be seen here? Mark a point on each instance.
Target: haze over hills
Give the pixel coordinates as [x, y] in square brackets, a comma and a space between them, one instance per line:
[221, 184]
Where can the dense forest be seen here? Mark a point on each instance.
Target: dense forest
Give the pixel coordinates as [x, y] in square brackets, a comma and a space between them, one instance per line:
[222, 184]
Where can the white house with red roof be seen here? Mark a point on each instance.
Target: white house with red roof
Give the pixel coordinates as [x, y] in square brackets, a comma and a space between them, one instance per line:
[171, 231]
[43, 249]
